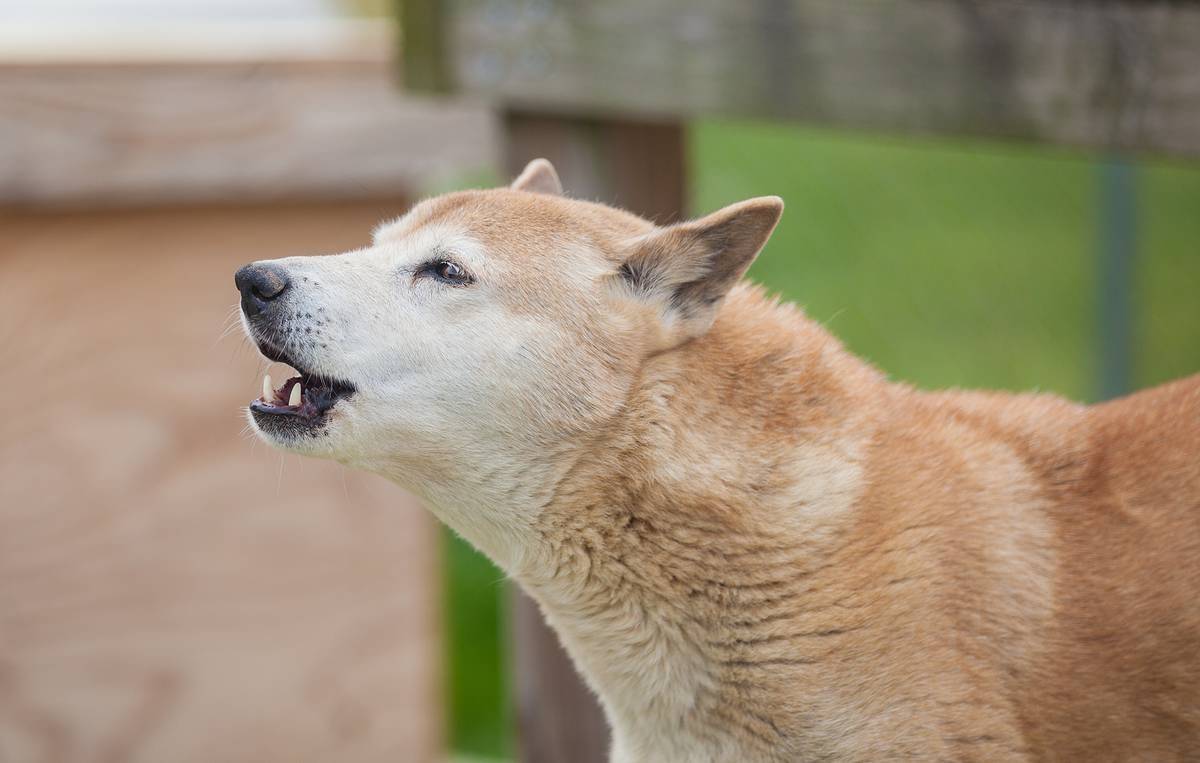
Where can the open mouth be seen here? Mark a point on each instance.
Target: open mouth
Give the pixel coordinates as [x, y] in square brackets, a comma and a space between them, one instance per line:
[302, 402]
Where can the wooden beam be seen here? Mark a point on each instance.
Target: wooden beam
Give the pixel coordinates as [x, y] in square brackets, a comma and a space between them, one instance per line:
[1091, 74]
[641, 167]
[222, 126]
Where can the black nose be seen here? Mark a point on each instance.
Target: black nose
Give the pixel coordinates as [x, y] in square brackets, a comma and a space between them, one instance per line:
[259, 284]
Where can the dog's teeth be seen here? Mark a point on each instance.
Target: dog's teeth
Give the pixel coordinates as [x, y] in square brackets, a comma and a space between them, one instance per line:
[294, 399]
[268, 390]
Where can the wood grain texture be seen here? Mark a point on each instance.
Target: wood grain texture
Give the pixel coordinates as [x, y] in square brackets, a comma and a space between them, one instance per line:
[170, 590]
[1091, 74]
[641, 167]
[145, 132]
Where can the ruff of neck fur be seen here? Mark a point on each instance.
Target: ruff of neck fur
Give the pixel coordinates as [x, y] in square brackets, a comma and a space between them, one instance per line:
[670, 559]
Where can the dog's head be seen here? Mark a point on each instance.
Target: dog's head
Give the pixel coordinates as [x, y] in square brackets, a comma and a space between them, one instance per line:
[484, 322]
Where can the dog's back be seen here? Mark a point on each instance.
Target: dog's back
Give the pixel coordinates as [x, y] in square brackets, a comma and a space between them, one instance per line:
[1122, 667]
[1075, 564]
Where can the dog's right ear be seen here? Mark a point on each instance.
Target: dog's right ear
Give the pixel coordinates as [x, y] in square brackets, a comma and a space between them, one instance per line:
[538, 177]
[685, 270]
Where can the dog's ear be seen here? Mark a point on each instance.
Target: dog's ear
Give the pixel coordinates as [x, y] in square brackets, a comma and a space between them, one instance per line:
[538, 177]
[688, 268]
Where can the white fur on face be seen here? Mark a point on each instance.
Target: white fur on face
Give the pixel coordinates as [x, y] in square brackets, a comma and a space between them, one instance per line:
[402, 339]
[457, 392]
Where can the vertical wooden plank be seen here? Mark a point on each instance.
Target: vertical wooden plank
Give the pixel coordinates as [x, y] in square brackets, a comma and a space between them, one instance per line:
[641, 167]
[558, 718]
[638, 166]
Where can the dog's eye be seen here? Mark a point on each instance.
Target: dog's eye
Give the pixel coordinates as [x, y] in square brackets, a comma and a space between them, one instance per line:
[451, 271]
[447, 272]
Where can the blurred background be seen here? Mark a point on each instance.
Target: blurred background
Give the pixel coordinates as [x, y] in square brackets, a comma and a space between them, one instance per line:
[171, 590]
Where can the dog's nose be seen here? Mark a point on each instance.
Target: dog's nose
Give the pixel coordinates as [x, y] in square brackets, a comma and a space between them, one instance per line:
[259, 284]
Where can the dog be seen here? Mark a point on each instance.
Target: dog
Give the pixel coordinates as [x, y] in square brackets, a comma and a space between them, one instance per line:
[753, 545]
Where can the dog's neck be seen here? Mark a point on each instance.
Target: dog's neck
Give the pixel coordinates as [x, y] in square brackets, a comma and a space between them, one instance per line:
[656, 552]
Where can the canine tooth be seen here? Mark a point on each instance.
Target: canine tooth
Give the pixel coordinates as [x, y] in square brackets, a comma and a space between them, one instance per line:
[294, 399]
[268, 390]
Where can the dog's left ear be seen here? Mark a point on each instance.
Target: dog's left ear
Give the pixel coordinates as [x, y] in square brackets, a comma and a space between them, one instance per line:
[538, 177]
[688, 268]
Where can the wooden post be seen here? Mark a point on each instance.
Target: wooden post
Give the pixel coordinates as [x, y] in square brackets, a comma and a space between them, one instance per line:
[641, 167]
[637, 166]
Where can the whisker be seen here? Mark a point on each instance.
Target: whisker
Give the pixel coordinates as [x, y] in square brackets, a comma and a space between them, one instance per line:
[232, 321]
[232, 326]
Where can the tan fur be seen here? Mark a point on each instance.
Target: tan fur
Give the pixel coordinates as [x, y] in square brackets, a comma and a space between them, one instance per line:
[757, 548]
[984, 577]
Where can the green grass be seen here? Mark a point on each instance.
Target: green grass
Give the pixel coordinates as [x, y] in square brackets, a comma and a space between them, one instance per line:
[944, 263]
[480, 722]
[1168, 287]
[960, 264]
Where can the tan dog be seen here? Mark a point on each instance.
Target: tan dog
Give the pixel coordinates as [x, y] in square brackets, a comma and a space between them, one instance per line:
[755, 547]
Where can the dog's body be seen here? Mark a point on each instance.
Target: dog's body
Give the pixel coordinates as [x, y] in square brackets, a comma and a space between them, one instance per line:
[825, 565]
[754, 546]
